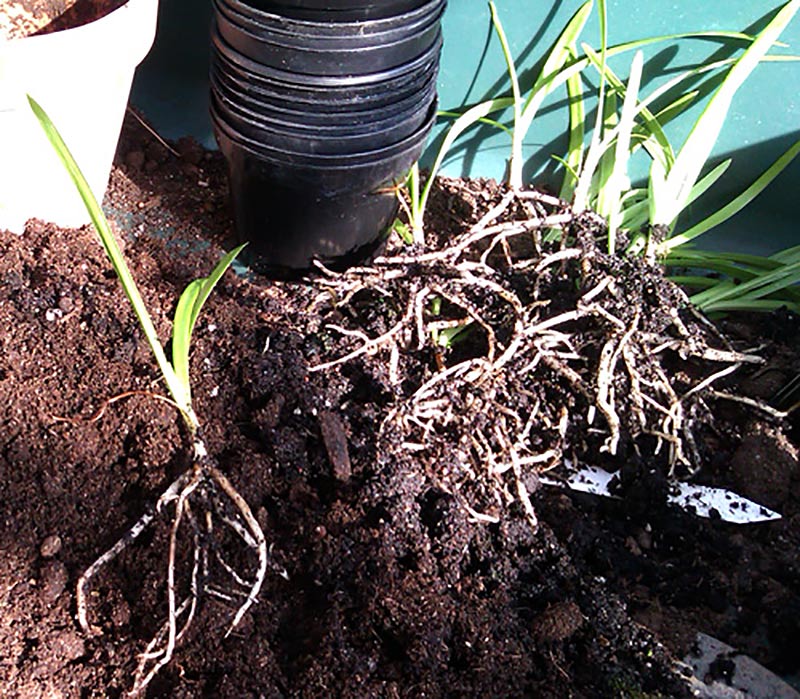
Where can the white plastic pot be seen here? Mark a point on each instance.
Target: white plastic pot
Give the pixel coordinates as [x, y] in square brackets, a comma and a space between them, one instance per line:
[82, 78]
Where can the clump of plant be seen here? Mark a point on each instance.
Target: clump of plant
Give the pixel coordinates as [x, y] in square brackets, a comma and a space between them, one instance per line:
[562, 65]
[574, 336]
[646, 219]
[201, 495]
[596, 177]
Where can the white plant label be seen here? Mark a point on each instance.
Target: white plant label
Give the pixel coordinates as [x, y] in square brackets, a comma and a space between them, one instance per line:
[700, 500]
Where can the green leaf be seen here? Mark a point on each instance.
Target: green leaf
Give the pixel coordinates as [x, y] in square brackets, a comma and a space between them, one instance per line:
[403, 230]
[599, 191]
[708, 180]
[655, 140]
[759, 287]
[546, 81]
[577, 114]
[737, 204]
[788, 255]
[618, 182]
[515, 164]
[635, 210]
[485, 120]
[448, 337]
[176, 388]
[188, 310]
[698, 145]
[473, 115]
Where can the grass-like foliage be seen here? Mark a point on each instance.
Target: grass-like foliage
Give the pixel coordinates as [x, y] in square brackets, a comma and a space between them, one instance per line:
[672, 187]
[596, 174]
[203, 481]
[649, 217]
[176, 375]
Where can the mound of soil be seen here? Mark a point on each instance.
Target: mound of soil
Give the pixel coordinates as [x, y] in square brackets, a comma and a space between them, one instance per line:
[399, 566]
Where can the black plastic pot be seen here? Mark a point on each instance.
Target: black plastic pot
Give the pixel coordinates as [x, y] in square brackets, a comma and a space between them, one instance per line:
[294, 208]
[328, 48]
[336, 10]
[331, 174]
[321, 140]
[371, 90]
[359, 30]
[320, 120]
[276, 114]
[356, 114]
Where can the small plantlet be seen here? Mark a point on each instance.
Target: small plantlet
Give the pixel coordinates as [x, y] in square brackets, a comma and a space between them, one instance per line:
[201, 494]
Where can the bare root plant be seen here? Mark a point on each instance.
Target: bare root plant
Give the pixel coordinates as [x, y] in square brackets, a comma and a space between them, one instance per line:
[205, 498]
[201, 495]
[572, 353]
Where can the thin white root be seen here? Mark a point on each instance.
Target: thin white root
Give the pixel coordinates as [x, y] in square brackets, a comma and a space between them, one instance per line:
[205, 485]
[595, 328]
[122, 543]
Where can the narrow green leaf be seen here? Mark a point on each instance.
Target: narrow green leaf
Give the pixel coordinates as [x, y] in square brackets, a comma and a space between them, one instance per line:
[188, 310]
[718, 261]
[708, 180]
[577, 114]
[788, 255]
[485, 120]
[468, 118]
[651, 125]
[749, 306]
[698, 145]
[546, 81]
[175, 387]
[618, 181]
[759, 287]
[181, 335]
[596, 150]
[737, 204]
[605, 165]
[571, 173]
[517, 135]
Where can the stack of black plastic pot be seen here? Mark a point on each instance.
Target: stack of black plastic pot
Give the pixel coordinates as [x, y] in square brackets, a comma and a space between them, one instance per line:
[320, 107]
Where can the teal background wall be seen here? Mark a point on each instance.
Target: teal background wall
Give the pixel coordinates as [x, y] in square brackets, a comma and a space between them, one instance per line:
[171, 89]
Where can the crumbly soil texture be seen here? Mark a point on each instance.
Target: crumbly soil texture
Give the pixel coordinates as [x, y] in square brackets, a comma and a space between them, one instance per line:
[389, 428]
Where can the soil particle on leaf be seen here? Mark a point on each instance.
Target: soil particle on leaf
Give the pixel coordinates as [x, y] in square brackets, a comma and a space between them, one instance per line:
[394, 571]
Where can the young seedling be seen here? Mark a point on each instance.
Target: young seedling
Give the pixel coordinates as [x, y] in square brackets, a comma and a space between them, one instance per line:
[201, 494]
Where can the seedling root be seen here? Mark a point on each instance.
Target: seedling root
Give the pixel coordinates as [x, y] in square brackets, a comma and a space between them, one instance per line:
[201, 495]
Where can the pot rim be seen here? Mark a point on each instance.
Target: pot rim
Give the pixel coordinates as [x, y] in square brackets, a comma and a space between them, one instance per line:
[330, 162]
[356, 26]
[289, 78]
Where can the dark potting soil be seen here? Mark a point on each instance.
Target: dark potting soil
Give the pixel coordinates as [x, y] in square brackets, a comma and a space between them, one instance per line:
[391, 573]
[21, 18]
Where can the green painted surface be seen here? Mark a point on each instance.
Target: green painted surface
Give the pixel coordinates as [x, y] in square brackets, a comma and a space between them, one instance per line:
[767, 108]
[171, 88]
